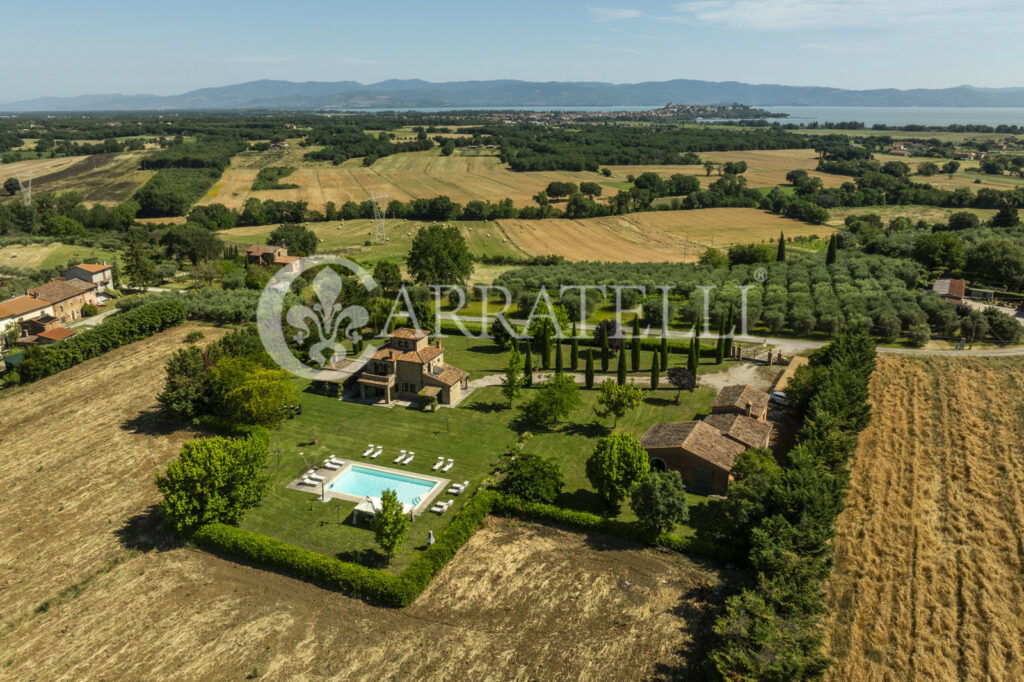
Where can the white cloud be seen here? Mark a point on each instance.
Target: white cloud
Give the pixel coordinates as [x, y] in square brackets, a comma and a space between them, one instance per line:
[614, 14]
[822, 14]
[256, 59]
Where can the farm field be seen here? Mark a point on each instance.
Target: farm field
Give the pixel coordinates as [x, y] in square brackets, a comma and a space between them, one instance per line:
[931, 214]
[654, 236]
[927, 582]
[57, 254]
[101, 178]
[127, 602]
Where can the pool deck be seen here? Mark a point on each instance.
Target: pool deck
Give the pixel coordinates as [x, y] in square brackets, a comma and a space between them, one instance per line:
[323, 490]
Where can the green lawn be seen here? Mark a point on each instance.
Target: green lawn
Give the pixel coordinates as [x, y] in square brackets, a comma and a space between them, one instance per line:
[476, 435]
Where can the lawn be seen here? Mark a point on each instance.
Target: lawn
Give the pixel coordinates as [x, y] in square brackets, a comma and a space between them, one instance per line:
[476, 435]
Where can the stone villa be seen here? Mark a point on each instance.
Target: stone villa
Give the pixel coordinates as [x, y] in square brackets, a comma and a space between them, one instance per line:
[406, 367]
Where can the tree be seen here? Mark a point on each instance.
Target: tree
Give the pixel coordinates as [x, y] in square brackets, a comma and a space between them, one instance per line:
[682, 379]
[262, 397]
[528, 368]
[138, 266]
[729, 324]
[781, 254]
[439, 255]
[533, 478]
[12, 186]
[390, 524]
[512, 384]
[1006, 217]
[545, 345]
[720, 346]
[621, 369]
[941, 251]
[634, 346]
[659, 501]
[693, 360]
[833, 250]
[558, 357]
[619, 461]
[927, 169]
[655, 372]
[713, 258]
[298, 239]
[617, 400]
[388, 275]
[950, 167]
[184, 391]
[605, 350]
[588, 375]
[555, 399]
[574, 350]
[448, 148]
[664, 350]
[213, 480]
[590, 189]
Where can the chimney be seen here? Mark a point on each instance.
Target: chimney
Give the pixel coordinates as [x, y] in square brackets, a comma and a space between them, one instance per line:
[750, 409]
[437, 343]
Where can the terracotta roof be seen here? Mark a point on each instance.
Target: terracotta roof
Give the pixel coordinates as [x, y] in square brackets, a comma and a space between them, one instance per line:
[285, 260]
[697, 438]
[955, 288]
[451, 376]
[386, 353]
[742, 429]
[737, 396]
[57, 290]
[408, 333]
[58, 334]
[260, 249]
[19, 305]
[93, 267]
[421, 356]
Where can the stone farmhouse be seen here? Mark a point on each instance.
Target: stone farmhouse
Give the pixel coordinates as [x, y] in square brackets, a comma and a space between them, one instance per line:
[408, 367]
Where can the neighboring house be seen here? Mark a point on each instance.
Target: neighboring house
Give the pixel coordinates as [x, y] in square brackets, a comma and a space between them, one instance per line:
[66, 296]
[54, 335]
[748, 432]
[102, 275]
[951, 290]
[288, 263]
[406, 365]
[43, 323]
[259, 254]
[698, 451]
[741, 399]
[19, 310]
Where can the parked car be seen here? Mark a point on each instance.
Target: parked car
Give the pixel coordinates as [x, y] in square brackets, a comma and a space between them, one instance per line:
[779, 398]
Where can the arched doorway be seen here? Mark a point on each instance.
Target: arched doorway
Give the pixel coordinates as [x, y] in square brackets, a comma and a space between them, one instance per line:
[658, 464]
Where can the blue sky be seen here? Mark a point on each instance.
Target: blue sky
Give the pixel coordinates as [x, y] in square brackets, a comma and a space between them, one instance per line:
[103, 46]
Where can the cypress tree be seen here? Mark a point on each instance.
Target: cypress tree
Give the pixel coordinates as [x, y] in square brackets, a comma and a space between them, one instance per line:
[545, 348]
[720, 348]
[634, 358]
[730, 323]
[574, 350]
[558, 357]
[528, 367]
[833, 249]
[781, 256]
[664, 351]
[622, 369]
[605, 351]
[694, 358]
[589, 376]
[655, 372]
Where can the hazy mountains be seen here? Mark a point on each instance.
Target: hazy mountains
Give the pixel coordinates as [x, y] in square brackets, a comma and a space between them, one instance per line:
[402, 94]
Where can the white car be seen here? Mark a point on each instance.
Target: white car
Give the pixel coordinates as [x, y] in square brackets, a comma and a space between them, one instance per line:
[779, 398]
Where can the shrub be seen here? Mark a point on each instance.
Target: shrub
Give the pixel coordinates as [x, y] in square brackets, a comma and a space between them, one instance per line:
[194, 336]
[659, 501]
[88, 310]
[533, 478]
[618, 463]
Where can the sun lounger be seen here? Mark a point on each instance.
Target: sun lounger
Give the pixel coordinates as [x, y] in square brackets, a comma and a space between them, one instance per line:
[442, 507]
[440, 463]
[407, 460]
[376, 453]
[328, 464]
[334, 460]
[366, 453]
[400, 457]
[457, 488]
[447, 466]
[306, 481]
[315, 476]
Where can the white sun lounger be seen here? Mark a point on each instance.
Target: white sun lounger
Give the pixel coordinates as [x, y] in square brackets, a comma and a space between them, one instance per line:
[312, 475]
[457, 488]
[376, 453]
[400, 457]
[407, 460]
[448, 466]
[328, 464]
[442, 507]
[368, 450]
[306, 481]
[440, 463]
[334, 460]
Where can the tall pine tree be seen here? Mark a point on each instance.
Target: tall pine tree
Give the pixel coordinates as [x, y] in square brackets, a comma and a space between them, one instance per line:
[720, 348]
[545, 347]
[589, 376]
[781, 255]
[558, 357]
[528, 367]
[730, 323]
[621, 373]
[833, 251]
[574, 350]
[694, 358]
[605, 350]
[664, 351]
[655, 372]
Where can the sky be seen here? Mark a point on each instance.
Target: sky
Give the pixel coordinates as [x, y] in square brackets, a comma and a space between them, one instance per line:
[63, 48]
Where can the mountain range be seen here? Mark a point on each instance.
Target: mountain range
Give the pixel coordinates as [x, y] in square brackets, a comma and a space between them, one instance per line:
[415, 93]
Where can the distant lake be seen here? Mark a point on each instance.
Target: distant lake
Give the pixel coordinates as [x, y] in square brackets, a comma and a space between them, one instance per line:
[869, 116]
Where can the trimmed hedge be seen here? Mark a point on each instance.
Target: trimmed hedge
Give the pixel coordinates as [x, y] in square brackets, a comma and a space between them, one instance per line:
[119, 330]
[586, 521]
[353, 579]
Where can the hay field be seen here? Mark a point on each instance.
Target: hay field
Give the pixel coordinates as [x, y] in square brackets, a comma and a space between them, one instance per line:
[35, 256]
[932, 214]
[93, 589]
[657, 236]
[928, 582]
[101, 178]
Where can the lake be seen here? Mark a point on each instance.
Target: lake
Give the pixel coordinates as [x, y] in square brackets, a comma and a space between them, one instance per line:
[901, 116]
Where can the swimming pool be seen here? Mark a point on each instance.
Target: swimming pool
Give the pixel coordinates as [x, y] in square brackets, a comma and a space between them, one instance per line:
[360, 482]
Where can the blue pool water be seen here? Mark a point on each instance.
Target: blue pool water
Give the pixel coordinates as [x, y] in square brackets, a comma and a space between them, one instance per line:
[362, 482]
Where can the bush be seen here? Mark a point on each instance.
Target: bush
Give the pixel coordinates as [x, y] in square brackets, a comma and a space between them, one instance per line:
[88, 310]
[659, 501]
[533, 478]
[194, 336]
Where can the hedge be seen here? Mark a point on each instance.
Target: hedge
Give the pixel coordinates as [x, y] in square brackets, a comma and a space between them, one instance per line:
[586, 521]
[117, 331]
[353, 579]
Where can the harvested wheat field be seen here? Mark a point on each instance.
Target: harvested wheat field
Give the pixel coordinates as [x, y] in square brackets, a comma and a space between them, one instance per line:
[518, 602]
[36, 167]
[928, 582]
[765, 167]
[100, 178]
[677, 236]
[79, 453]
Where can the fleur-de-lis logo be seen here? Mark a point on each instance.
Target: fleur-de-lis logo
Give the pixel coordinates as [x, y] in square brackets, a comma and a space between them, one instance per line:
[327, 316]
[327, 321]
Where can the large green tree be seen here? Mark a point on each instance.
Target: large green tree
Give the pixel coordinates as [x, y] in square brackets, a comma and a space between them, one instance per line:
[619, 461]
[555, 399]
[390, 524]
[533, 478]
[617, 399]
[298, 239]
[659, 501]
[439, 255]
[512, 384]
